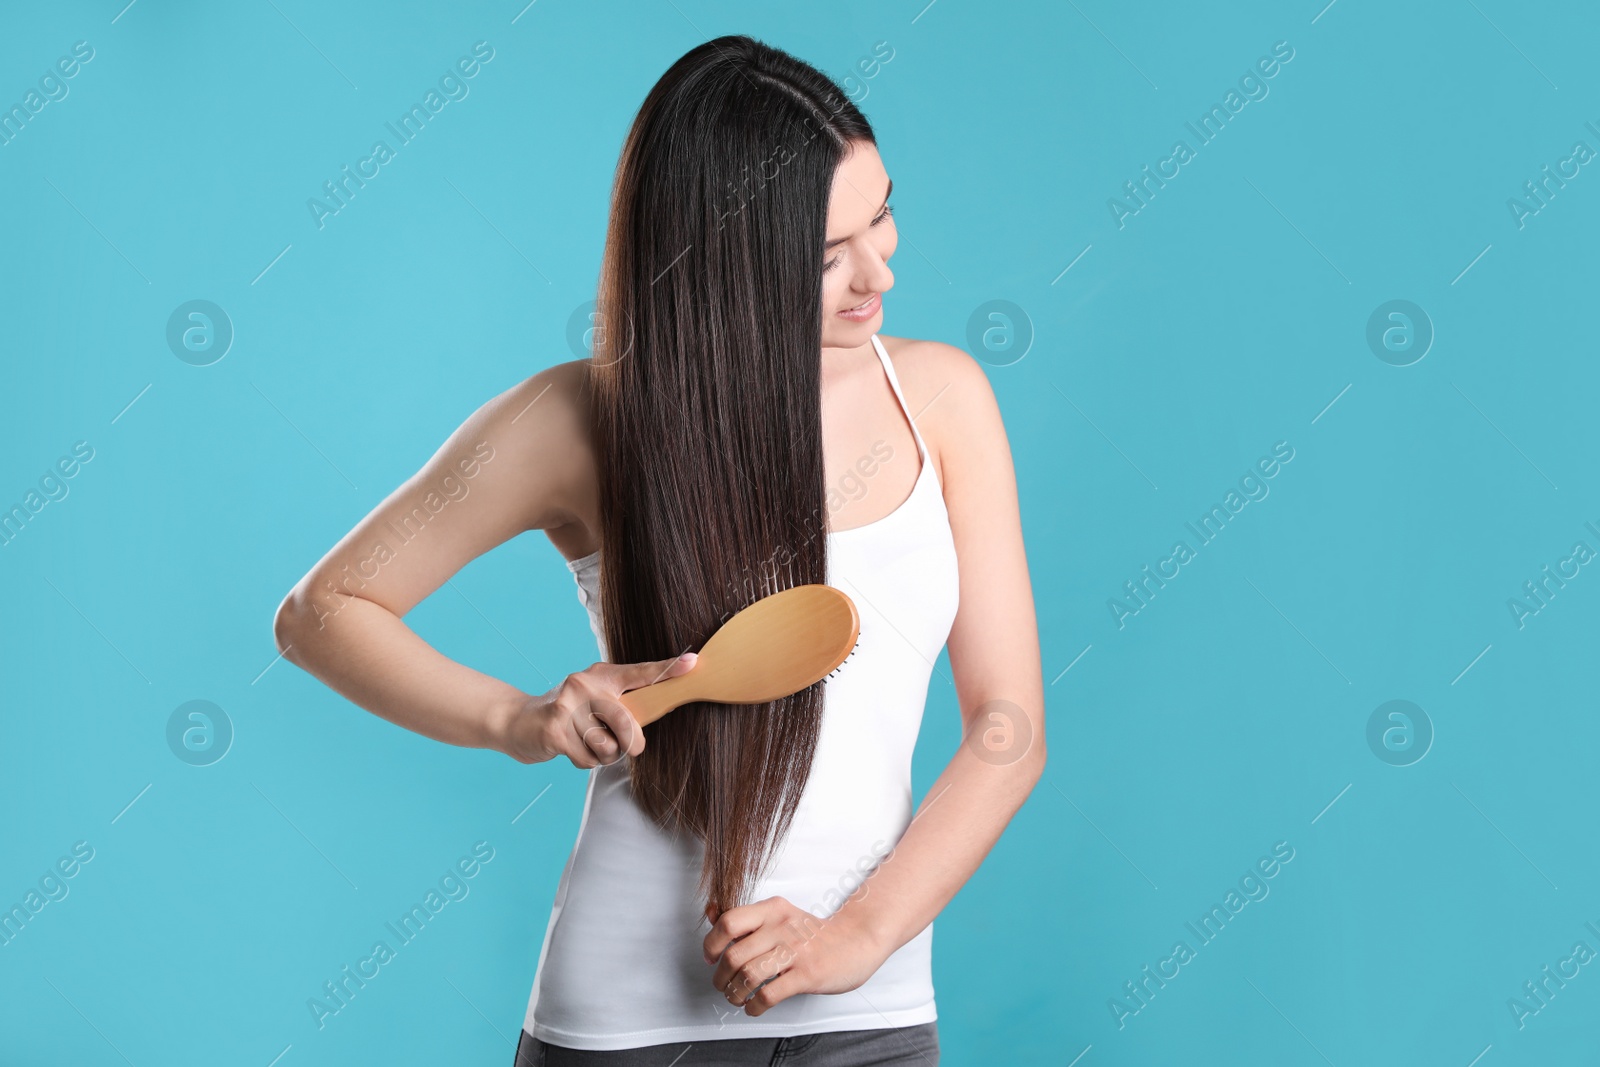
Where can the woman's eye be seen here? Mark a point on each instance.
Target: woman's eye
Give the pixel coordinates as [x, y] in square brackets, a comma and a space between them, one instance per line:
[888, 209]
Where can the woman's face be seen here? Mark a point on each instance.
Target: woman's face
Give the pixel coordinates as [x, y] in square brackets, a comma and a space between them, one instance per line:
[861, 238]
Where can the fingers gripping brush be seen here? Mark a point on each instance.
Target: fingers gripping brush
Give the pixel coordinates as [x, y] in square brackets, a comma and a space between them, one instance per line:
[771, 649]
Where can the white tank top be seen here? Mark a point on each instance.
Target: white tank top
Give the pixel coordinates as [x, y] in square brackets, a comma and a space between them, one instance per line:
[622, 965]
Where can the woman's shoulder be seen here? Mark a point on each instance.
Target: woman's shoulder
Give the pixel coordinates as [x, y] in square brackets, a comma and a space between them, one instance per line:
[927, 367]
[548, 408]
[948, 393]
[544, 427]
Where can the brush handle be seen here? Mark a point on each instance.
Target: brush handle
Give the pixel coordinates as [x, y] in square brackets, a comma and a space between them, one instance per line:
[648, 703]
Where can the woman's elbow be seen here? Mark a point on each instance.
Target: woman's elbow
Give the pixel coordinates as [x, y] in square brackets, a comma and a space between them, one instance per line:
[288, 623]
[1032, 763]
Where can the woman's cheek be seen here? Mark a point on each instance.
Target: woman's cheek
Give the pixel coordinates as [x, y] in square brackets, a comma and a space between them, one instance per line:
[831, 289]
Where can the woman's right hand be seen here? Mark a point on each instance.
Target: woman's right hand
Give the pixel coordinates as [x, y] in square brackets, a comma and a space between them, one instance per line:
[583, 718]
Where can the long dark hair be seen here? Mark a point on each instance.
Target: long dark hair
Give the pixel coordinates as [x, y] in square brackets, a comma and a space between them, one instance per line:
[706, 403]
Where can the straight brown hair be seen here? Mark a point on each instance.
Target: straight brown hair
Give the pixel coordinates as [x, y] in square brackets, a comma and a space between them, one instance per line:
[706, 403]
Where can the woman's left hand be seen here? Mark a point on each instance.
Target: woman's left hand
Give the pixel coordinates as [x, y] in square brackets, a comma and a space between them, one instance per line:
[776, 949]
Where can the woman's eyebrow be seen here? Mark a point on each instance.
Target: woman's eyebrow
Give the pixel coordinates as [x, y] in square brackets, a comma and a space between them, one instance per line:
[886, 192]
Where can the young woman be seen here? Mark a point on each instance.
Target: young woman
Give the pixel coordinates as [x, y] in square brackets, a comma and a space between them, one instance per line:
[749, 884]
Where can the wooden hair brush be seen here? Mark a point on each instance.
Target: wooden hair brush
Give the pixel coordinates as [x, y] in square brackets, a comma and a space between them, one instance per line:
[772, 648]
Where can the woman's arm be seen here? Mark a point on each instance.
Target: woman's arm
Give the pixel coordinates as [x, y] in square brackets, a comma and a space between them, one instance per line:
[509, 468]
[994, 656]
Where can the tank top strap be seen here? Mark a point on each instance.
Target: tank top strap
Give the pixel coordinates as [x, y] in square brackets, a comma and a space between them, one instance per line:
[894, 383]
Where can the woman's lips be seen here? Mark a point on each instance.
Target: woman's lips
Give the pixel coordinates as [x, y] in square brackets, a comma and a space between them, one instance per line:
[865, 311]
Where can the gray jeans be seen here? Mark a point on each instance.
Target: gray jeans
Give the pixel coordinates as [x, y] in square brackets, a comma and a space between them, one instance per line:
[897, 1046]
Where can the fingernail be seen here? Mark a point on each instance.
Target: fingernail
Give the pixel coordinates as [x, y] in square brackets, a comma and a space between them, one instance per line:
[690, 658]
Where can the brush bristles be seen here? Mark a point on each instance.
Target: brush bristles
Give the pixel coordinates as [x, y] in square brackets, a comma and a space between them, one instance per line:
[846, 659]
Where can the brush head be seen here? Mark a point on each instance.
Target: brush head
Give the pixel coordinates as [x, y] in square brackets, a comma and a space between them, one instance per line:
[776, 646]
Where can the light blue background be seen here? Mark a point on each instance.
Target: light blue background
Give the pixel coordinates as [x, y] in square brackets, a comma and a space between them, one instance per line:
[1227, 315]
